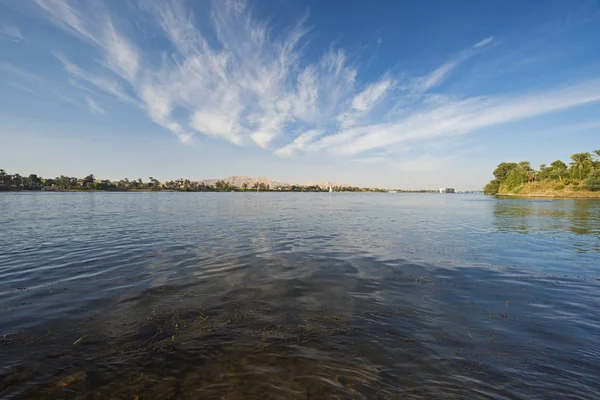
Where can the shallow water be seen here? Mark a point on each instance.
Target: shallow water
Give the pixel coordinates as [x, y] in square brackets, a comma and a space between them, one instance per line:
[298, 295]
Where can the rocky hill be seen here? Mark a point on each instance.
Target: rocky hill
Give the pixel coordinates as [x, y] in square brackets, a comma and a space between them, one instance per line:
[240, 180]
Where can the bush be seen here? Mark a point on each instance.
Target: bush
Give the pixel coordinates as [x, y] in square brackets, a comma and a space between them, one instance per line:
[567, 181]
[559, 187]
[593, 184]
[575, 183]
[492, 188]
[514, 179]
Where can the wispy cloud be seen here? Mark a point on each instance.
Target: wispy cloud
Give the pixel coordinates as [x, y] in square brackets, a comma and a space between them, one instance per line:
[29, 82]
[240, 80]
[299, 143]
[61, 13]
[105, 84]
[484, 42]
[94, 107]
[11, 32]
[364, 102]
[436, 77]
[21, 73]
[23, 88]
[457, 117]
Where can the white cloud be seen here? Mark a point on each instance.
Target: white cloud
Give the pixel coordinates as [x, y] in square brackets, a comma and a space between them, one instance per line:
[299, 143]
[371, 95]
[121, 56]
[107, 85]
[62, 14]
[436, 77]
[216, 124]
[458, 117]
[364, 102]
[239, 80]
[484, 42]
[11, 31]
[94, 107]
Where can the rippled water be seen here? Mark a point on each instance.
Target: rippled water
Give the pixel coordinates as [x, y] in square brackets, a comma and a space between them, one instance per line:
[245, 295]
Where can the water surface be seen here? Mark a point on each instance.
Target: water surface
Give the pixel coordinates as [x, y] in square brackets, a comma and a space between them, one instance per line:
[298, 295]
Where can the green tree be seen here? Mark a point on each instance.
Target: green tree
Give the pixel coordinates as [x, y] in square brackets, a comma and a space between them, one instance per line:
[503, 169]
[63, 182]
[559, 172]
[34, 179]
[525, 168]
[5, 179]
[220, 186]
[545, 172]
[89, 180]
[154, 184]
[32, 182]
[104, 185]
[580, 161]
[17, 180]
[558, 164]
[515, 178]
[492, 188]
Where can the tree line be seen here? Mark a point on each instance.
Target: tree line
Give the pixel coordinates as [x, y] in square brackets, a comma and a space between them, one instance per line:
[582, 173]
[90, 183]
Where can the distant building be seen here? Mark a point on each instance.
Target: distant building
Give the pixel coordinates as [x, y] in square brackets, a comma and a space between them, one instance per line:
[446, 190]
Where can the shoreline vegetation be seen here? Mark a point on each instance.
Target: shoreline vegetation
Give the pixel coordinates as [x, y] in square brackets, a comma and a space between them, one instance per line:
[579, 179]
[33, 182]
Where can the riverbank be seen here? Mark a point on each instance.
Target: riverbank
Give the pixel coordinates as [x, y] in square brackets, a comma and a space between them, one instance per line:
[550, 189]
[584, 195]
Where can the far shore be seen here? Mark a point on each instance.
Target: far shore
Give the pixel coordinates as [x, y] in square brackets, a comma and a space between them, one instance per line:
[237, 190]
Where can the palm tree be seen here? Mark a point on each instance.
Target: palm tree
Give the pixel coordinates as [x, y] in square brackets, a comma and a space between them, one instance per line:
[17, 180]
[4, 178]
[559, 171]
[596, 155]
[579, 161]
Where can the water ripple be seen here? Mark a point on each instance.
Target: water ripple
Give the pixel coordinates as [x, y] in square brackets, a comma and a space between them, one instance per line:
[197, 295]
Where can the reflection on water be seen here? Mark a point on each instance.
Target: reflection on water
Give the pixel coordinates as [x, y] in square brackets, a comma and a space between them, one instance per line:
[176, 295]
[525, 216]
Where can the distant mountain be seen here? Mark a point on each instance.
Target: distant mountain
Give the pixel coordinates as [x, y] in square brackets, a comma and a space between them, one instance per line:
[240, 180]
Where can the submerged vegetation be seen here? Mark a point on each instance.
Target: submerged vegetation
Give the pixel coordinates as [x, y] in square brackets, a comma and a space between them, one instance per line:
[581, 176]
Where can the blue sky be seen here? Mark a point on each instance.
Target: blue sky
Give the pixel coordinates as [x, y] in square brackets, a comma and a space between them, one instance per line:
[407, 94]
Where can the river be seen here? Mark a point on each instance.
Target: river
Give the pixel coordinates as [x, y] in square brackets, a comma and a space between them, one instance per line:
[298, 296]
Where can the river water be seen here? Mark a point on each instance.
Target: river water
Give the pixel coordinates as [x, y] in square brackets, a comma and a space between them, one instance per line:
[298, 296]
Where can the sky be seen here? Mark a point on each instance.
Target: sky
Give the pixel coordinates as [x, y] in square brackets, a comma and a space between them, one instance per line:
[393, 94]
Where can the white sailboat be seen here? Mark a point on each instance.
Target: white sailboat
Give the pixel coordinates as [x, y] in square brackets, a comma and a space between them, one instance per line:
[330, 189]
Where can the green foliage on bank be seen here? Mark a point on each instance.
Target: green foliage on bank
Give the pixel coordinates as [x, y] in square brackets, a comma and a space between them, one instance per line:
[90, 183]
[582, 174]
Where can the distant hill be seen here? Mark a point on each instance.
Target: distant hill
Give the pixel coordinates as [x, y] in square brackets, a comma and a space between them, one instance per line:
[238, 181]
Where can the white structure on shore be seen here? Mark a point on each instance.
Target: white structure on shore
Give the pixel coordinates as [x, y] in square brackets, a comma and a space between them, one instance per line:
[446, 190]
